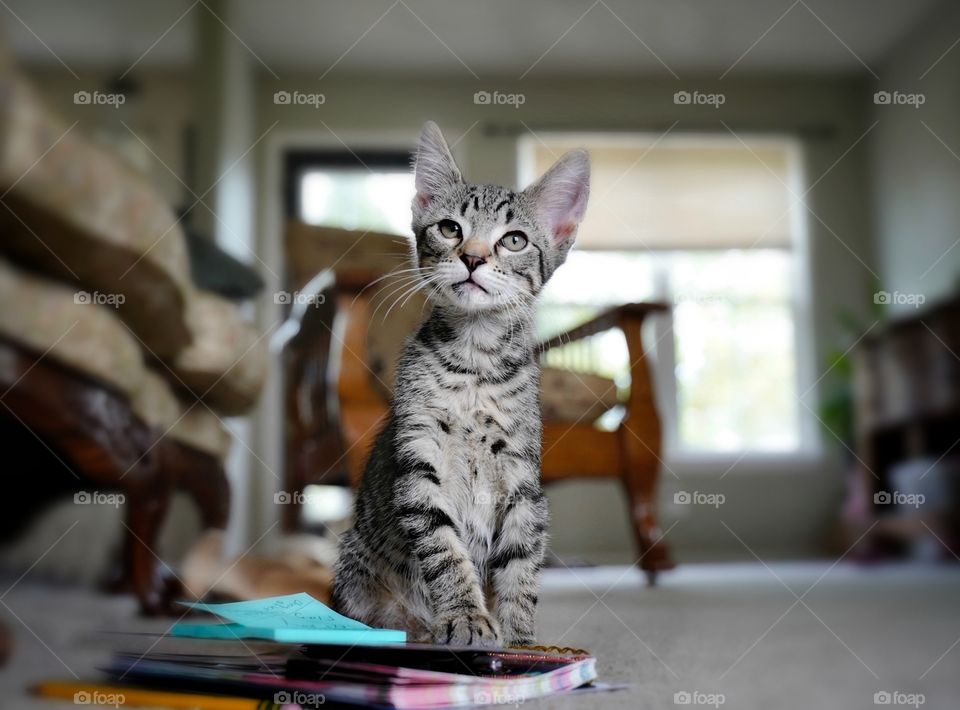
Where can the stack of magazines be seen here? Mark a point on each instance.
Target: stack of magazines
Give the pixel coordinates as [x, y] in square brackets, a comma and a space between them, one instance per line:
[272, 654]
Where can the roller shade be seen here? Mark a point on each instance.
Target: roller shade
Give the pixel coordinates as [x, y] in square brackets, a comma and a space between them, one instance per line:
[681, 192]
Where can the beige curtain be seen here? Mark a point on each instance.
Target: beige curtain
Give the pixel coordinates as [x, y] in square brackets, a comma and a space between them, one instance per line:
[682, 192]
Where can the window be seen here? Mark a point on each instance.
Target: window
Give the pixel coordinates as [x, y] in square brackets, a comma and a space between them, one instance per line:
[351, 190]
[706, 224]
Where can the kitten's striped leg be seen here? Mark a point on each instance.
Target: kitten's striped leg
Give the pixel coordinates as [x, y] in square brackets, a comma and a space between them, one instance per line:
[357, 592]
[515, 563]
[453, 585]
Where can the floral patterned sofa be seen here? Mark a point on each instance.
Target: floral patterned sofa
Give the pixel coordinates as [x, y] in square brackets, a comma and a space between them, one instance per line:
[109, 355]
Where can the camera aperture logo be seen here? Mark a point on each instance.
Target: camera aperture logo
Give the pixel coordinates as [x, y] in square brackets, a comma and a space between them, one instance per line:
[698, 498]
[114, 300]
[497, 697]
[913, 700]
[286, 298]
[287, 698]
[699, 98]
[885, 298]
[899, 98]
[497, 98]
[99, 498]
[696, 697]
[98, 98]
[897, 498]
[98, 697]
[298, 98]
[294, 498]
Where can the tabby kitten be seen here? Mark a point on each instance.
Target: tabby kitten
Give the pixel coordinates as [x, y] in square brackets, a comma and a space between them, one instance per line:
[450, 521]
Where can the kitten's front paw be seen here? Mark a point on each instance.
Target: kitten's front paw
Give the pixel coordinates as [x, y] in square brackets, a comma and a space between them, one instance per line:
[512, 640]
[474, 628]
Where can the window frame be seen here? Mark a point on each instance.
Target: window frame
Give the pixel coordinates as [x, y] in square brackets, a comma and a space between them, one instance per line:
[299, 162]
[809, 438]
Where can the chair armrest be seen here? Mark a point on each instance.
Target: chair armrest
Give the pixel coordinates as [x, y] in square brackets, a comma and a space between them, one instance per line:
[316, 304]
[628, 318]
[619, 317]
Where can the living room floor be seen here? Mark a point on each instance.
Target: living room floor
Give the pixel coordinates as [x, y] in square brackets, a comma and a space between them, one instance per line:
[791, 635]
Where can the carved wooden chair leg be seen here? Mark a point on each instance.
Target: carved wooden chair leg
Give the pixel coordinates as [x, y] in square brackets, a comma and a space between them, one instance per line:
[639, 479]
[202, 477]
[94, 428]
[6, 643]
[148, 499]
[641, 440]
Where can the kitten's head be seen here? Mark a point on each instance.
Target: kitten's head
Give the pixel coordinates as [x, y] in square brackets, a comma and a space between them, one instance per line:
[483, 247]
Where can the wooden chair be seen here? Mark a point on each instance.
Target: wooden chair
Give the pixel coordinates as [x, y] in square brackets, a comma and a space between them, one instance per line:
[337, 397]
[70, 432]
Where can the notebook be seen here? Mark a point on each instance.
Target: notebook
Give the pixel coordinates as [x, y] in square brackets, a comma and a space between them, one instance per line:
[304, 654]
[294, 618]
[408, 677]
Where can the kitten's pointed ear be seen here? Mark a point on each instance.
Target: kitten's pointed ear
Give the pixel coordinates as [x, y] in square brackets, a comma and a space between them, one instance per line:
[560, 196]
[434, 168]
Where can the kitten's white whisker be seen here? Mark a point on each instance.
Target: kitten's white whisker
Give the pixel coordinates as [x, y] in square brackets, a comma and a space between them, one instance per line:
[393, 272]
[433, 278]
[434, 290]
[408, 290]
[404, 283]
[405, 295]
[518, 313]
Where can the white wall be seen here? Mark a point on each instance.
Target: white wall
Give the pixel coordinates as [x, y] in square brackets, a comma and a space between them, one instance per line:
[915, 177]
[158, 116]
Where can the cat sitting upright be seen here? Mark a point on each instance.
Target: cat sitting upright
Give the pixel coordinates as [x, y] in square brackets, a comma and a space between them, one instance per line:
[451, 523]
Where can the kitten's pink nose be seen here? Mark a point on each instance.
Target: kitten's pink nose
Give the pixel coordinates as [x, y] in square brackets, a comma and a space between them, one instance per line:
[472, 261]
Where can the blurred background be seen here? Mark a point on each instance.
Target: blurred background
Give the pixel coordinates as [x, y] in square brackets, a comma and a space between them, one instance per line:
[752, 355]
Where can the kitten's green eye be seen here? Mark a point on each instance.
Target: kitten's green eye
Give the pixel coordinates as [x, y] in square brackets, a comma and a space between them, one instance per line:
[450, 229]
[514, 241]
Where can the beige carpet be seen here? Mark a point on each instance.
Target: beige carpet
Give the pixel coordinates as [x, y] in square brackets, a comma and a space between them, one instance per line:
[734, 630]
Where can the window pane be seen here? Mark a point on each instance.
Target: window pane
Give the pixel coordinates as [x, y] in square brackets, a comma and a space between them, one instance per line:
[601, 279]
[734, 339]
[357, 199]
[722, 234]
[586, 284]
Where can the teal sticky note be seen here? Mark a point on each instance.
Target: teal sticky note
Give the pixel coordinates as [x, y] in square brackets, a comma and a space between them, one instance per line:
[293, 610]
[295, 618]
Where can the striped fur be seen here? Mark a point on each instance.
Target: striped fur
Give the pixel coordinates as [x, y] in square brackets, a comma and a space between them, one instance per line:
[451, 524]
